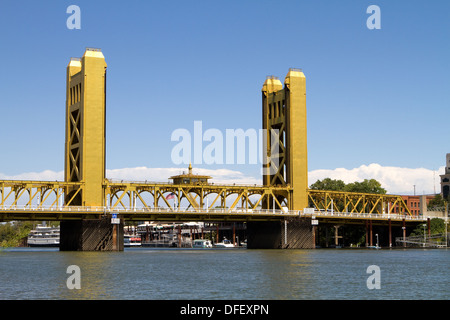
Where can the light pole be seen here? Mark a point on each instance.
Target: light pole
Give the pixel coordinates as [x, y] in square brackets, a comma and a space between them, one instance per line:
[445, 230]
[446, 222]
[404, 236]
[424, 235]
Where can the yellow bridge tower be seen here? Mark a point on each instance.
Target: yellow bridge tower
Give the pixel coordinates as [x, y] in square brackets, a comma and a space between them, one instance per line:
[284, 121]
[85, 126]
[285, 161]
[85, 153]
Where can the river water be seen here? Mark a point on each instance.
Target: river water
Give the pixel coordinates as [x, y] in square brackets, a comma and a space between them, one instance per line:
[226, 274]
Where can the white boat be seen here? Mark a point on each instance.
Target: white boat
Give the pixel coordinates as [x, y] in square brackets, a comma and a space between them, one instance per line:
[224, 244]
[44, 236]
[199, 243]
[130, 240]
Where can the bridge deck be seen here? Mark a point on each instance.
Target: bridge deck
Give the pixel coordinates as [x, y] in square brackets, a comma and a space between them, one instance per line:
[191, 214]
[55, 200]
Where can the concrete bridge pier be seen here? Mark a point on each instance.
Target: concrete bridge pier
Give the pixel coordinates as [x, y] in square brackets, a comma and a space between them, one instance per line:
[293, 233]
[91, 235]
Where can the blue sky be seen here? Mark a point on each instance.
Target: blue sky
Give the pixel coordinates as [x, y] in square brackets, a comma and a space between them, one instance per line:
[373, 96]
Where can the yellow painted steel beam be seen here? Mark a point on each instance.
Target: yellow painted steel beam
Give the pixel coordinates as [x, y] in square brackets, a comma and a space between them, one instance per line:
[352, 202]
[347, 206]
[37, 193]
[197, 195]
[12, 192]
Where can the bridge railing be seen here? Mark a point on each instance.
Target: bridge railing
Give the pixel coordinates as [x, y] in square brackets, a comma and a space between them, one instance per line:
[106, 209]
[362, 215]
[191, 210]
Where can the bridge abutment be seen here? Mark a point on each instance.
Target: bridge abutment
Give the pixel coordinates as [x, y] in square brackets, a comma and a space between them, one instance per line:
[91, 235]
[294, 233]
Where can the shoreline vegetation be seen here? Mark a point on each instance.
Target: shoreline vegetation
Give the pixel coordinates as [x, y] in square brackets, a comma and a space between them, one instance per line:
[15, 233]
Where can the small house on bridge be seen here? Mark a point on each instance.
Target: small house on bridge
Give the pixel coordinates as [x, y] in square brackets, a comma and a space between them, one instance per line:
[190, 178]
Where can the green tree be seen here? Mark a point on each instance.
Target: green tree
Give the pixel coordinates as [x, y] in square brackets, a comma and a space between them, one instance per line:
[437, 225]
[328, 184]
[366, 186]
[12, 232]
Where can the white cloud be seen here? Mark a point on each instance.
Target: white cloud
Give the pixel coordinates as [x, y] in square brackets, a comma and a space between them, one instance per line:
[395, 180]
[47, 175]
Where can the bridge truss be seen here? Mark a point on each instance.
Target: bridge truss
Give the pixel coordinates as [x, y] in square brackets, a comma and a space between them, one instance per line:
[156, 201]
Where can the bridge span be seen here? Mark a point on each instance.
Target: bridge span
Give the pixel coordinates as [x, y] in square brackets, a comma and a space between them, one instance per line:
[187, 214]
[157, 201]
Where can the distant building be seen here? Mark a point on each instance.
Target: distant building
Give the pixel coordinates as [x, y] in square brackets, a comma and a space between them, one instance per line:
[445, 179]
[415, 205]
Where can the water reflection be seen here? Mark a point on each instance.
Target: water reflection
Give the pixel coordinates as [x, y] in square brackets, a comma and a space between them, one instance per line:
[239, 274]
[285, 274]
[98, 275]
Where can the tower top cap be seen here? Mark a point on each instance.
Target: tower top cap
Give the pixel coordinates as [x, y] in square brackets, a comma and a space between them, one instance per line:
[93, 52]
[295, 72]
[75, 62]
[272, 84]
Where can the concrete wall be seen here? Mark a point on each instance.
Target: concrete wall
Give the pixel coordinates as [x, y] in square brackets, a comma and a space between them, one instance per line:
[295, 233]
[91, 235]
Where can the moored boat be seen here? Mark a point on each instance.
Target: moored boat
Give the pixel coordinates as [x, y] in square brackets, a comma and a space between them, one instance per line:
[200, 243]
[131, 240]
[224, 244]
[44, 236]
